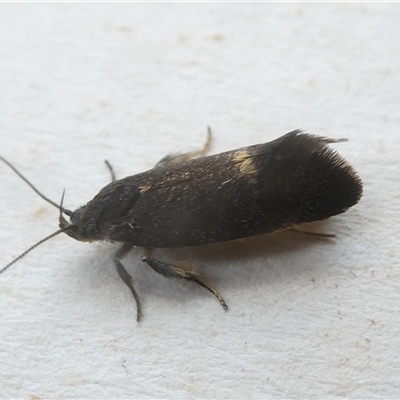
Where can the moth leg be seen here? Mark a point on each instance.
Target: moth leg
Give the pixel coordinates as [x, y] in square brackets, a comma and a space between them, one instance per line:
[177, 158]
[330, 140]
[111, 169]
[127, 278]
[325, 235]
[173, 271]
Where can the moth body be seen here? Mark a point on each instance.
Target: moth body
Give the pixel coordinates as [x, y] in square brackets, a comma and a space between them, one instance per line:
[186, 201]
[250, 191]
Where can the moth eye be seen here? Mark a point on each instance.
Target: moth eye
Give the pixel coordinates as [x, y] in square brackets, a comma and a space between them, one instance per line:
[77, 217]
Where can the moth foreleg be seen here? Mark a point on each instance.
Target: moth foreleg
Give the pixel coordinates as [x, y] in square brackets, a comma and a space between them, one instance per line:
[111, 169]
[127, 278]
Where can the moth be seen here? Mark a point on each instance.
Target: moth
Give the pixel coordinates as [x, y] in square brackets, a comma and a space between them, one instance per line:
[189, 201]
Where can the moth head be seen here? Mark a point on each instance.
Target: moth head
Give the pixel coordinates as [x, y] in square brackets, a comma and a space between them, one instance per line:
[82, 225]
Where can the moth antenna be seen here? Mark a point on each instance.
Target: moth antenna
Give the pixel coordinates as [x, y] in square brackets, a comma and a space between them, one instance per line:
[64, 210]
[32, 247]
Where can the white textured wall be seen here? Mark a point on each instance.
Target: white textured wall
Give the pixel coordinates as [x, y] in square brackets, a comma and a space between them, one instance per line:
[131, 82]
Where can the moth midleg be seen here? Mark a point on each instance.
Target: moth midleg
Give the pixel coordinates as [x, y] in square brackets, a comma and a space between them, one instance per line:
[173, 271]
[177, 158]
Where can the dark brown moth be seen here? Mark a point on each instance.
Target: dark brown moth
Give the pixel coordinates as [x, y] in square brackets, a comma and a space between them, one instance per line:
[186, 201]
